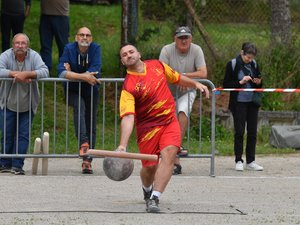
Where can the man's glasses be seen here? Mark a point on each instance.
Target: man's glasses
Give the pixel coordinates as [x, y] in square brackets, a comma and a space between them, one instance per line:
[84, 35]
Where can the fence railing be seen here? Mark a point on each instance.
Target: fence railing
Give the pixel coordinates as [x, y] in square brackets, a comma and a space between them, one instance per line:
[55, 117]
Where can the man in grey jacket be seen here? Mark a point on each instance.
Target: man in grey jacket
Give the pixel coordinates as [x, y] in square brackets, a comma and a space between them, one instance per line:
[19, 99]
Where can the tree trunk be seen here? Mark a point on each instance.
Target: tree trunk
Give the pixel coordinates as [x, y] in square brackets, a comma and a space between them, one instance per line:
[280, 22]
[124, 22]
[201, 28]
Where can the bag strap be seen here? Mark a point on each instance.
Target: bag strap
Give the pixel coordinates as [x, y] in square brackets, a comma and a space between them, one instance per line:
[233, 63]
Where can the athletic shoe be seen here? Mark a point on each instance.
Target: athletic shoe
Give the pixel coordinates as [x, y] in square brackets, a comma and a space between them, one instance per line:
[5, 169]
[87, 167]
[254, 166]
[177, 169]
[239, 166]
[17, 171]
[152, 205]
[84, 149]
[182, 152]
[147, 195]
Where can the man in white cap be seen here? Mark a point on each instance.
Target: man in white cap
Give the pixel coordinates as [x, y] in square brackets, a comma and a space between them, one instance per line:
[187, 58]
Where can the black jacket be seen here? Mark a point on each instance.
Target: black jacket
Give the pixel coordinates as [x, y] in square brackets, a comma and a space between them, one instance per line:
[231, 78]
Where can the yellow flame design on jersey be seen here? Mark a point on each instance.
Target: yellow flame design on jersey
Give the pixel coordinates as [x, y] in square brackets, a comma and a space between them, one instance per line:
[151, 134]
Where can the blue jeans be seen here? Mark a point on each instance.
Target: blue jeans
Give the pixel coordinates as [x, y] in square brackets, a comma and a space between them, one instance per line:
[16, 136]
[53, 27]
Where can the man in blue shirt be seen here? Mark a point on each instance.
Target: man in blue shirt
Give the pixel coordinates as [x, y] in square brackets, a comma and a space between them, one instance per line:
[81, 61]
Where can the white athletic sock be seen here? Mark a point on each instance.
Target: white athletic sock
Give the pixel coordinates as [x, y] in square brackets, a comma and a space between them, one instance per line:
[156, 193]
[147, 189]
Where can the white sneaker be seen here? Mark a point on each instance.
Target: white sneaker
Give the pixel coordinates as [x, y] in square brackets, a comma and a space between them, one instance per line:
[239, 166]
[254, 166]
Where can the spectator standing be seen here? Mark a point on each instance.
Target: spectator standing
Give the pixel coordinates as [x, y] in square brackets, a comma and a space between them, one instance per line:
[243, 72]
[187, 58]
[13, 15]
[19, 99]
[146, 101]
[81, 60]
[54, 23]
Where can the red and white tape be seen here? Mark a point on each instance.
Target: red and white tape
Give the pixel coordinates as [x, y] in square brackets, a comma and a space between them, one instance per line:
[259, 89]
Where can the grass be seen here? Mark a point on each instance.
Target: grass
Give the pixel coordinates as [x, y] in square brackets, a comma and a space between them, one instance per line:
[104, 22]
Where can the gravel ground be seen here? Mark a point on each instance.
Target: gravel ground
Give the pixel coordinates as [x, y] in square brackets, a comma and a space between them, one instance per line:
[65, 196]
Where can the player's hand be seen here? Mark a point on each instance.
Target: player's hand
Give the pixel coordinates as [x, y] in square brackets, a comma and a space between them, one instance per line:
[121, 148]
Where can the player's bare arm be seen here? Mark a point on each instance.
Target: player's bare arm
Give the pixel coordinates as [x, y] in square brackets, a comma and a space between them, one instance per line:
[127, 125]
[187, 82]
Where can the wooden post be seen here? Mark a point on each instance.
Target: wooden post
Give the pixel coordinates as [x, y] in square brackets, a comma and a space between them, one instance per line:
[45, 151]
[36, 150]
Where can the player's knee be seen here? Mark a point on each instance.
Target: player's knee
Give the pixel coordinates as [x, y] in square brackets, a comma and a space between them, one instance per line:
[168, 154]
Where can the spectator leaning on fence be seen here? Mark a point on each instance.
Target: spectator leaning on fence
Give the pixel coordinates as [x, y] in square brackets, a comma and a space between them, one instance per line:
[81, 61]
[13, 15]
[188, 59]
[146, 101]
[243, 72]
[19, 99]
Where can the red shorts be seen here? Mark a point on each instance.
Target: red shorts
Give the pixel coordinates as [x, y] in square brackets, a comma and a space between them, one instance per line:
[158, 138]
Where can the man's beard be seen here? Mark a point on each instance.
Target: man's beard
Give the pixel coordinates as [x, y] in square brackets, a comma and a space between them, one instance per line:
[132, 61]
[84, 44]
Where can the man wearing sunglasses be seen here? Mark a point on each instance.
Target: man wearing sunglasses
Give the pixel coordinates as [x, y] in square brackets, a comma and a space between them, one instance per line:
[81, 61]
[187, 58]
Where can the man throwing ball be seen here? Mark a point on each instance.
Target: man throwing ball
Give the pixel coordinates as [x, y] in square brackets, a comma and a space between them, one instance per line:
[147, 102]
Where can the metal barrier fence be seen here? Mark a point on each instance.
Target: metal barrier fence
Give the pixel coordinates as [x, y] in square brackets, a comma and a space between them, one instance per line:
[54, 116]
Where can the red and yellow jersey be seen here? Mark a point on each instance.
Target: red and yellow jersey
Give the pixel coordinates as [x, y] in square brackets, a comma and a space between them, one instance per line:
[147, 95]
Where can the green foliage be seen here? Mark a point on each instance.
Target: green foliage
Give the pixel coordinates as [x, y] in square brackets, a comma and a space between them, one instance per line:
[263, 134]
[170, 10]
[272, 101]
[221, 133]
[217, 11]
[281, 66]
[221, 11]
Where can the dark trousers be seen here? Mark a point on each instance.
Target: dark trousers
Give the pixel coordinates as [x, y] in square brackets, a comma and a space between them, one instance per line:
[85, 116]
[53, 27]
[245, 114]
[14, 24]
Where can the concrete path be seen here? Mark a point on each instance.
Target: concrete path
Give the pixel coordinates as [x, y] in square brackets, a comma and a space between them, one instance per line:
[65, 196]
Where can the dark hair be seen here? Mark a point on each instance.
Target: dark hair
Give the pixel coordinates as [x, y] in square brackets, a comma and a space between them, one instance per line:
[249, 48]
[125, 44]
